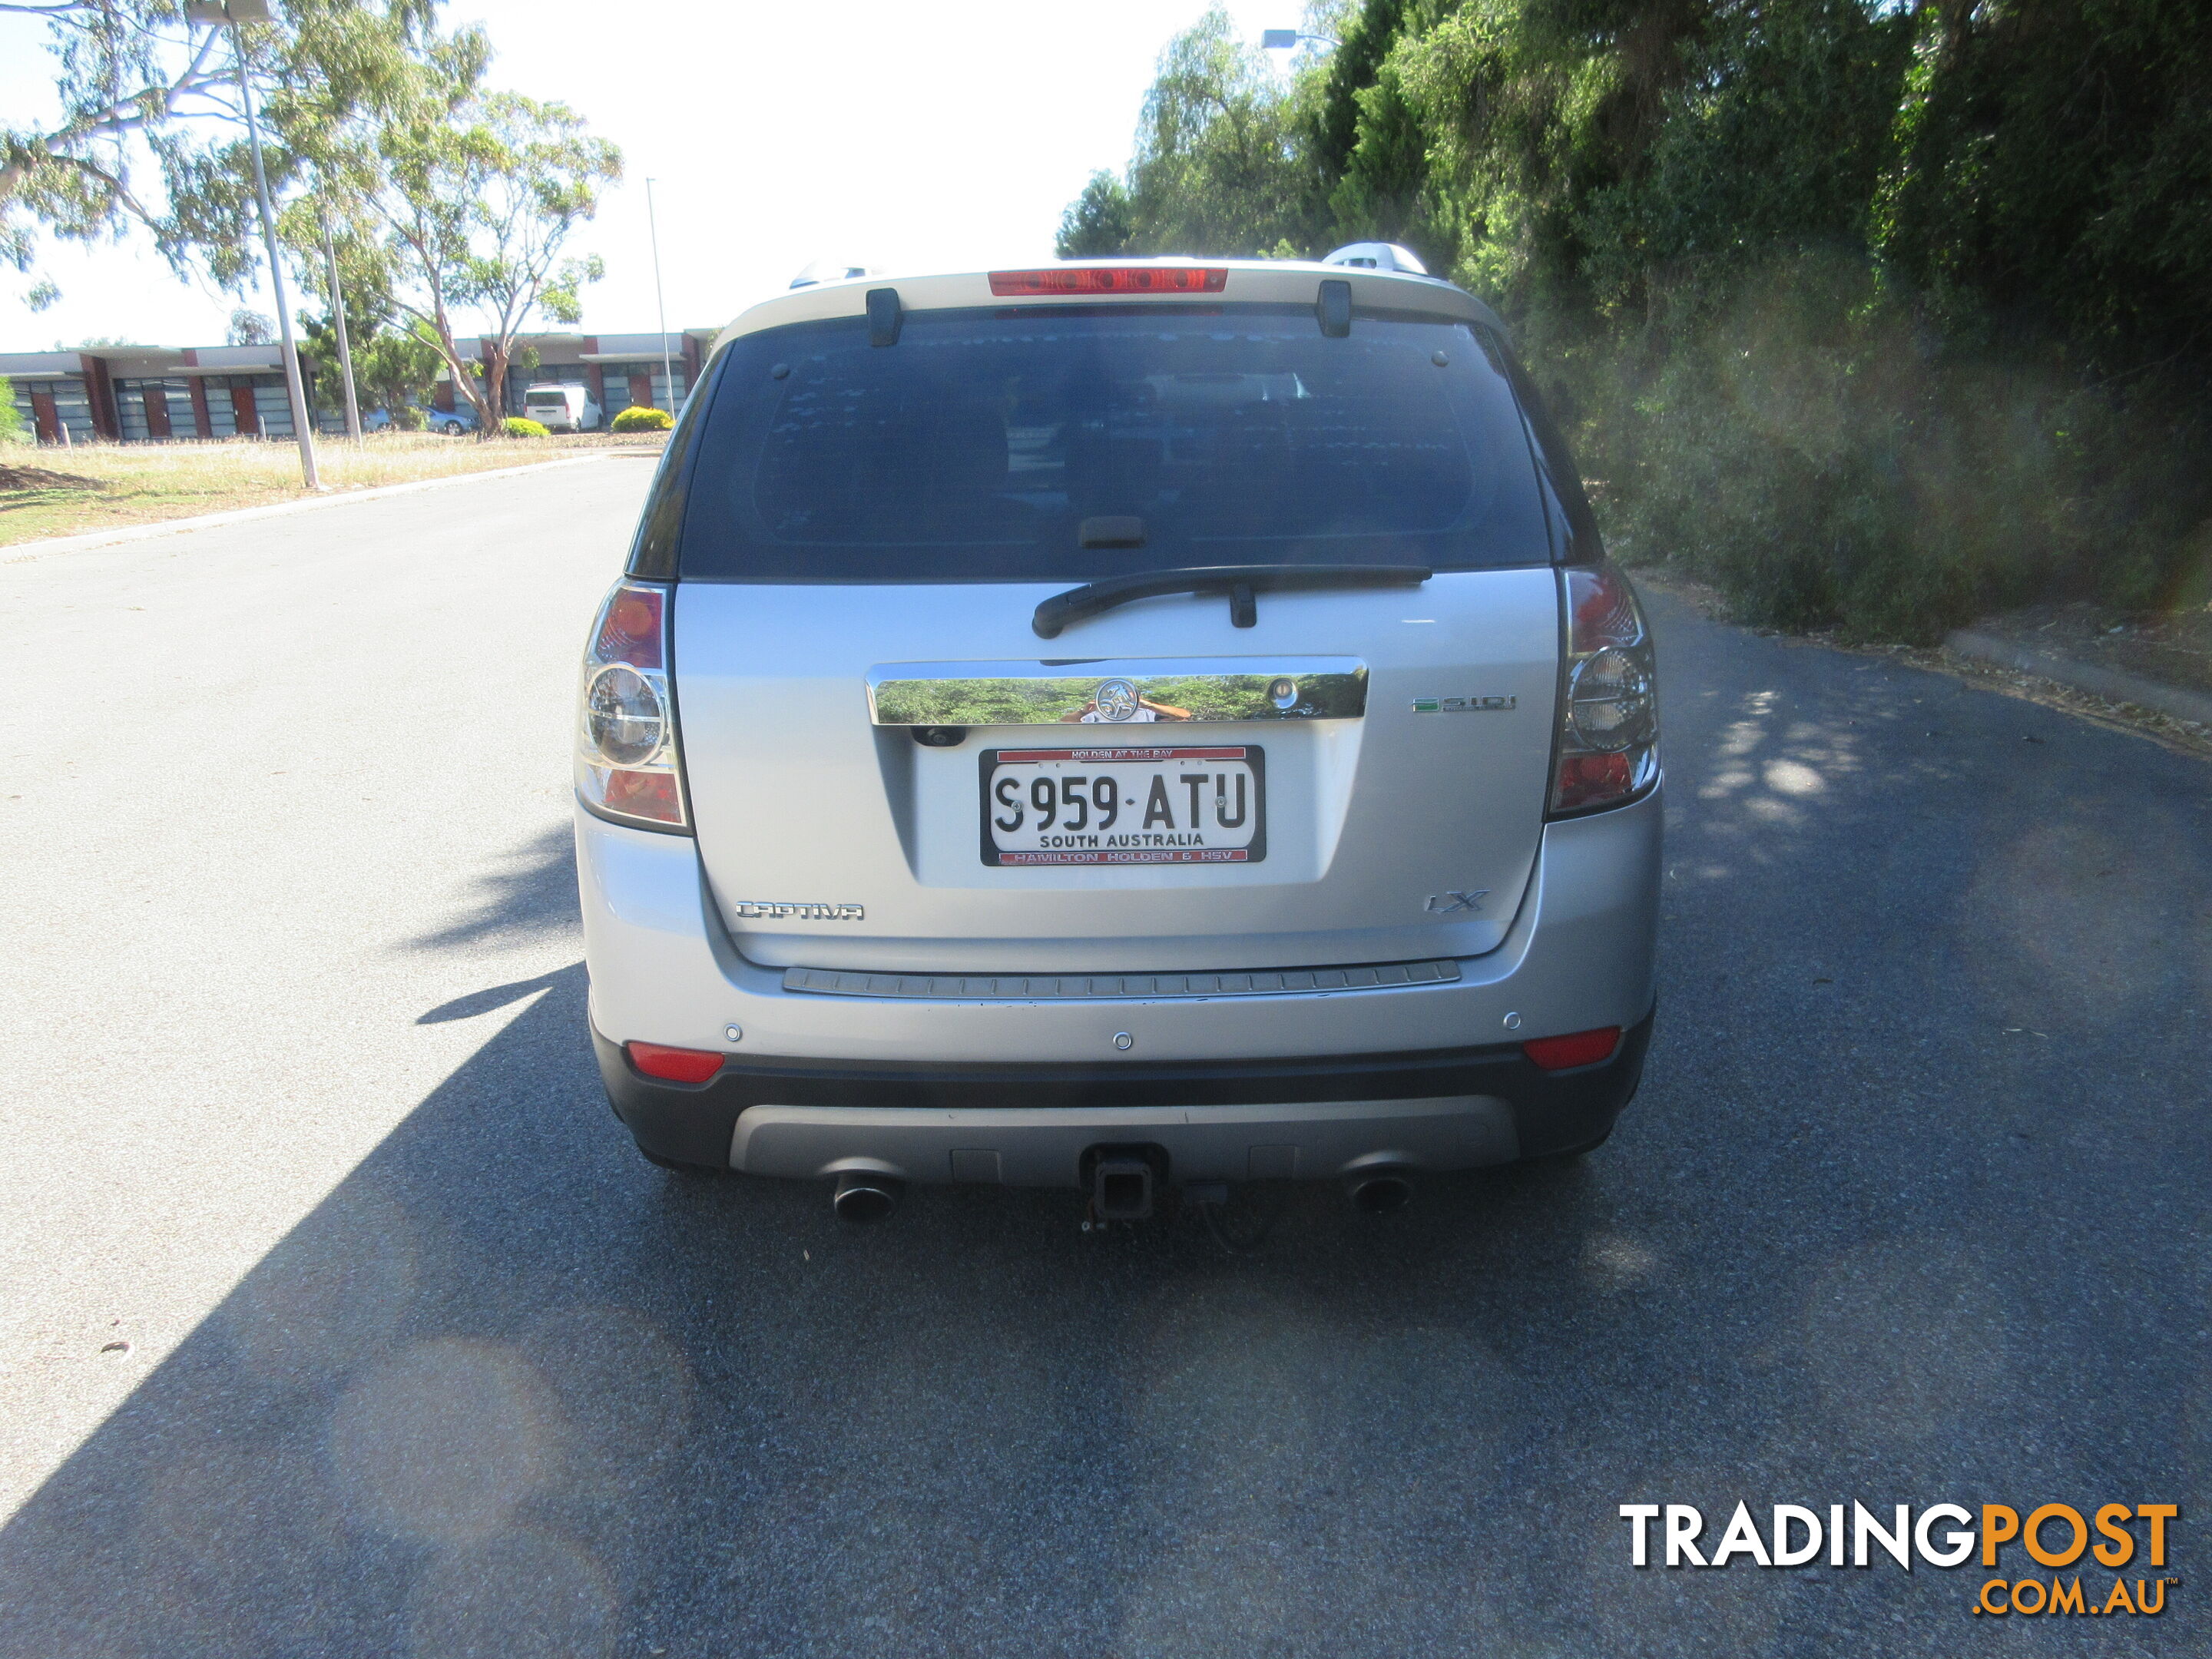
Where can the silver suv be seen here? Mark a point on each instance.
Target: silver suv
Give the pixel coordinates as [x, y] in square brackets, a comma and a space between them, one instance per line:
[1113, 726]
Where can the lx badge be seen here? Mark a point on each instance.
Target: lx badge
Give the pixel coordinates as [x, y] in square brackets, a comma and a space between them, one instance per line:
[1443, 904]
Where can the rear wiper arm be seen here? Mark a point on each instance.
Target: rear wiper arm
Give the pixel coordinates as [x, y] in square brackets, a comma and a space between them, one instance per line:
[1239, 581]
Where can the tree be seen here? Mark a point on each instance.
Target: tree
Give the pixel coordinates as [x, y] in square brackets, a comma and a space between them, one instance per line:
[2054, 168]
[544, 185]
[1217, 166]
[150, 133]
[1870, 312]
[396, 369]
[474, 196]
[1098, 223]
[1364, 144]
[249, 327]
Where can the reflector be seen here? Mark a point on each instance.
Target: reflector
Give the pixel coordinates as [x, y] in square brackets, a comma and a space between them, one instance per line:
[1585, 779]
[1106, 279]
[1560, 1054]
[673, 1065]
[643, 795]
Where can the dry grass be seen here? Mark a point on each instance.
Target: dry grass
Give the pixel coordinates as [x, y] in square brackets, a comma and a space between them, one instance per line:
[51, 491]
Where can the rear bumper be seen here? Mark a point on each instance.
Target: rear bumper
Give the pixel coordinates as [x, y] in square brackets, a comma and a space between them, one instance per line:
[815, 1074]
[1030, 1125]
[1578, 954]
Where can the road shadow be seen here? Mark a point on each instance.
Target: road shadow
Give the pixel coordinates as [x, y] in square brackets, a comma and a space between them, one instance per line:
[509, 1390]
[529, 894]
[491, 997]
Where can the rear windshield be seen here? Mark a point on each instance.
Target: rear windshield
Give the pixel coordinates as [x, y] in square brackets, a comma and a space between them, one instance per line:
[975, 448]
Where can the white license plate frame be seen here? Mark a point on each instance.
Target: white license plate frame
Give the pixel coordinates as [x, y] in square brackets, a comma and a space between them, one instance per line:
[1130, 845]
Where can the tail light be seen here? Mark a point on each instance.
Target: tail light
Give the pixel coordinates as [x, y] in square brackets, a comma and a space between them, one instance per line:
[1608, 746]
[627, 765]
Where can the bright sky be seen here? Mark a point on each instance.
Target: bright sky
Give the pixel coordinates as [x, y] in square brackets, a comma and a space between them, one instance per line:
[891, 135]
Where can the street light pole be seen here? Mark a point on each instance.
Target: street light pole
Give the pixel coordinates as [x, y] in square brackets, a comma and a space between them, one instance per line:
[231, 14]
[345, 345]
[653, 229]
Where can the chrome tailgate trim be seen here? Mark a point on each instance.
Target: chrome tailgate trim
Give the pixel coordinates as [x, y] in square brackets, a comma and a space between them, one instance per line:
[1199, 691]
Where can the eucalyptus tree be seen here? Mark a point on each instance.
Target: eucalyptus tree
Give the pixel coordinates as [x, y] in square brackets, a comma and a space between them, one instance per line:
[146, 131]
[544, 184]
[474, 197]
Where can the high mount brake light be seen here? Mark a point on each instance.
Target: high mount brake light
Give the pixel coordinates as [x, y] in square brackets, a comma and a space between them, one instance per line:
[627, 764]
[1106, 279]
[1608, 730]
[1564, 1053]
[673, 1065]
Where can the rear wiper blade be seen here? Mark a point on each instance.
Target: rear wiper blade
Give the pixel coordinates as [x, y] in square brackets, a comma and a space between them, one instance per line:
[1239, 581]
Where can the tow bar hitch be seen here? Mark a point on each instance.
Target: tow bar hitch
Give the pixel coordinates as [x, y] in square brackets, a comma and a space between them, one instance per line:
[1121, 1181]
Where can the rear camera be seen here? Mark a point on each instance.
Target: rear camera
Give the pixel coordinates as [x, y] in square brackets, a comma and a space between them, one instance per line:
[940, 736]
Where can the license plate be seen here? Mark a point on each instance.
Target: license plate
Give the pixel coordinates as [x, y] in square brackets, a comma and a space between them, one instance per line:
[1125, 805]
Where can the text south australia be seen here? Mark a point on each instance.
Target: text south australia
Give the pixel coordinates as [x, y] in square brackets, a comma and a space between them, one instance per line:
[2053, 1536]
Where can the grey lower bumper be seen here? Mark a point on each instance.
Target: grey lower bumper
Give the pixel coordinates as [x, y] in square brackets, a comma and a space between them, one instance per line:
[1044, 1147]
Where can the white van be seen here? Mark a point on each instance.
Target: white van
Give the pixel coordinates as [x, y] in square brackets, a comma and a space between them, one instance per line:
[561, 408]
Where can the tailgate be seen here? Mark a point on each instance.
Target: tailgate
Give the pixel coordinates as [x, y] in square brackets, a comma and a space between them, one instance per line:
[1359, 779]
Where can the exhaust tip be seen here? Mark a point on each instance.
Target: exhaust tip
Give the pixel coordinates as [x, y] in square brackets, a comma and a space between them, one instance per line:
[864, 1197]
[1380, 1194]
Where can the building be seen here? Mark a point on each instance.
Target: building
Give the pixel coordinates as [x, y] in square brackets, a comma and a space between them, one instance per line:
[619, 370]
[139, 394]
[161, 394]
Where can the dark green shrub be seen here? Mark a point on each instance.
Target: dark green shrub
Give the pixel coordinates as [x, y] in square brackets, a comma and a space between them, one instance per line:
[514, 426]
[1810, 449]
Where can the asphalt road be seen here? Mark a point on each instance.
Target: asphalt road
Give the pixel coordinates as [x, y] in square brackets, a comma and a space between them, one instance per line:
[422, 1359]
